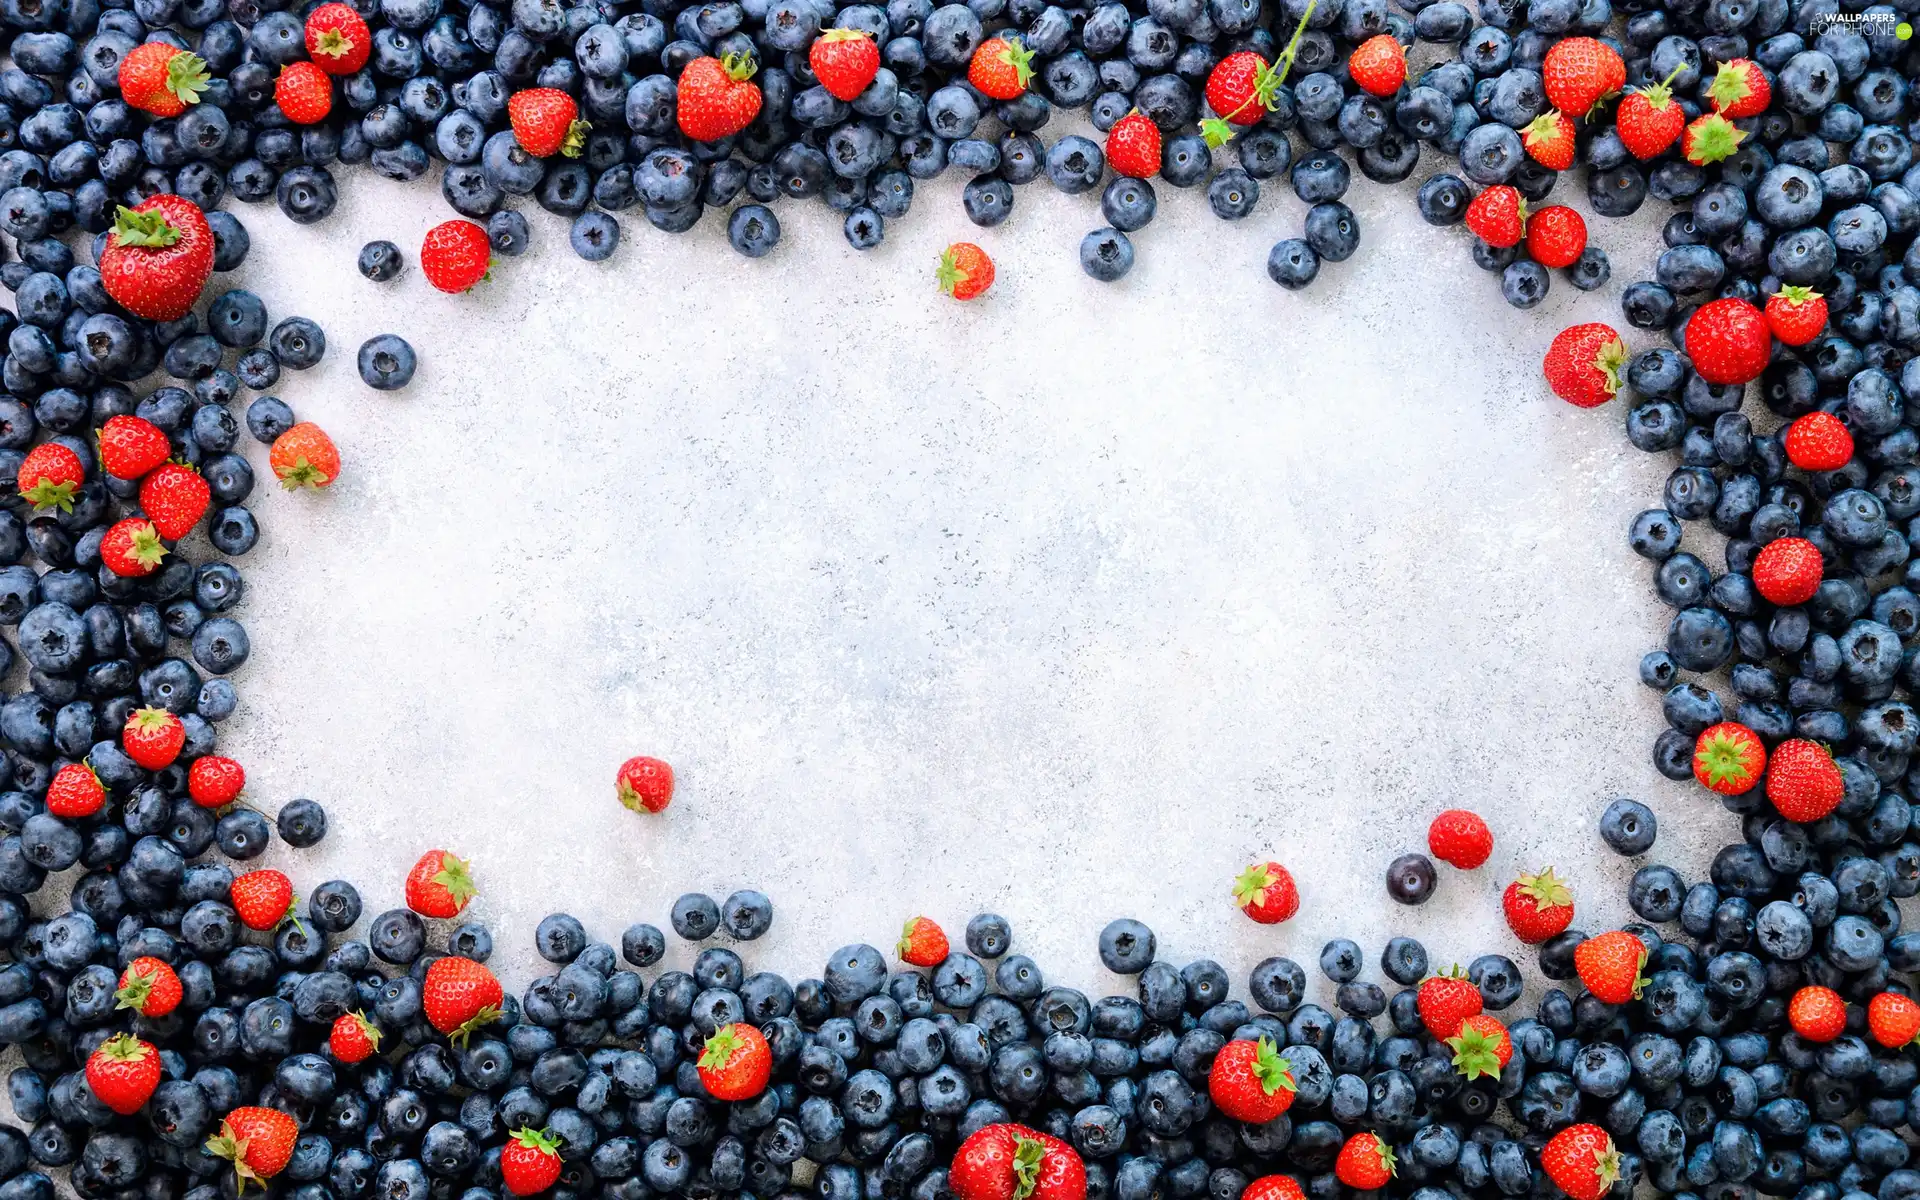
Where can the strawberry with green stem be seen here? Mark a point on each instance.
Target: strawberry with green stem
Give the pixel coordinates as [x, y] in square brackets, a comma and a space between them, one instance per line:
[1265, 86]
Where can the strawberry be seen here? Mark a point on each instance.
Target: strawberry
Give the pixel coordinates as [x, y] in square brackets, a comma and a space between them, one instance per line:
[1580, 72]
[49, 476]
[338, 39]
[1498, 216]
[1893, 1020]
[455, 255]
[215, 781]
[1796, 314]
[1803, 782]
[1739, 89]
[161, 79]
[263, 898]
[1265, 892]
[1445, 1000]
[1012, 1162]
[75, 791]
[844, 61]
[1133, 146]
[546, 122]
[153, 737]
[131, 548]
[1549, 140]
[1556, 236]
[1460, 838]
[1787, 571]
[174, 497]
[122, 1072]
[1728, 758]
[257, 1141]
[1365, 1163]
[1818, 441]
[1249, 1081]
[439, 885]
[131, 446]
[459, 996]
[922, 943]
[1817, 1014]
[965, 271]
[1274, 1187]
[715, 99]
[530, 1162]
[644, 784]
[353, 1038]
[158, 257]
[1378, 65]
[304, 93]
[1709, 138]
[735, 1063]
[1584, 364]
[1001, 67]
[1482, 1047]
[1610, 966]
[1241, 89]
[149, 987]
[1648, 120]
[1728, 341]
[304, 456]
[1581, 1161]
[1537, 907]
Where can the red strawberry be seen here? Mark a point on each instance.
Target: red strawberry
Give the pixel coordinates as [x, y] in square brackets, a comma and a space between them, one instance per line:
[1648, 120]
[715, 99]
[439, 885]
[354, 1038]
[122, 1072]
[735, 1063]
[459, 996]
[1445, 1000]
[174, 496]
[1893, 1020]
[1537, 907]
[215, 781]
[1728, 341]
[1365, 1164]
[546, 122]
[75, 791]
[304, 457]
[131, 446]
[1728, 758]
[844, 61]
[922, 943]
[455, 255]
[1549, 139]
[161, 79]
[1274, 1187]
[644, 784]
[965, 271]
[131, 548]
[1266, 892]
[1796, 314]
[1580, 72]
[1378, 65]
[1460, 838]
[158, 257]
[1709, 138]
[1249, 1081]
[1584, 363]
[1739, 89]
[1817, 1014]
[1610, 966]
[49, 476]
[304, 93]
[1556, 236]
[257, 1141]
[1787, 571]
[1818, 441]
[1498, 216]
[1001, 67]
[1012, 1162]
[530, 1162]
[263, 898]
[1133, 146]
[338, 39]
[1482, 1047]
[1581, 1161]
[153, 737]
[149, 987]
[1803, 782]
[1241, 89]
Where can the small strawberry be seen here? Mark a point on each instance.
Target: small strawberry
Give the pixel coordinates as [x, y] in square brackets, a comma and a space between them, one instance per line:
[1787, 571]
[1579, 73]
[845, 61]
[1133, 146]
[304, 457]
[1460, 838]
[153, 737]
[75, 791]
[1445, 1000]
[1796, 314]
[439, 885]
[161, 79]
[1011, 1162]
[1556, 236]
[1378, 65]
[1648, 119]
[459, 996]
[1728, 341]
[338, 39]
[546, 121]
[1818, 441]
[257, 1141]
[1610, 966]
[1893, 1020]
[215, 781]
[922, 943]
[158, 257]
[1728, 758]
[304, 93]
[1250, 1082]
[1585, 363]
[149, 987]
[263, 898]
[644, 784]
[1739, 89]
[354, 1038]
[174, 496]
[1549, 140]
[1803, 782]
[1365, 1164]
[455, 255]
[1581, 1161]
[122, 1072]
[1266, 892]
[1498, 216]
[530, 1162]
[1274, 1187]
[1481, 1048]
[1709, 138]
[1537, 907]
[1817, 1014]
[131, 446]
[1241, 89]
[735, 1063]
[965, 271]
[1001, 67]
[714, 98]
[49, 476]
[131, 548]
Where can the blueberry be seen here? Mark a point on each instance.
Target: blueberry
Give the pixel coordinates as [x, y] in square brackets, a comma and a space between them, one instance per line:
[746, 916]
[695, 917]
[1410, 879]
[1628, 827]
[302, 823]
[595, 235]
[988, 935]
[380, 261]
[561, 938]
[386, 362]
[1292, 264]
[1106, 254]
[397, 936]
[297, 343]
[642, 945]
[1126, 947]
[753, 230]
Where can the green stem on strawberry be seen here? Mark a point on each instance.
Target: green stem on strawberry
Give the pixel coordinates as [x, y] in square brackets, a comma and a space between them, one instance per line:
[1218, 131]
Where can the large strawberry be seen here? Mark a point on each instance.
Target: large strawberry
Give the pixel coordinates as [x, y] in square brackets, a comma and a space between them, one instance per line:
[131, 446]
[149, 987]
[131, 548]
[49, 476]
[262, 898]
[1537, 907]
[1241, 88]
[1133, 146]
[530, 1161]
[1378, 65]
[1796, 314]
[1581, 1161]
[1818, 441]
[338, 39]
[735, 1063]
[122, 1072]
[257, 1141]
[1274, 1187]
[1498, 216]
[1012, 1162]
[1445, 1000]
[1803, 782]
[353, 1038]
[174, 497]
[1549, 140]
[75, 791]
[215, 781]
[1739, 89]
[1249, 1081]
[161, 79]
[1728, 758]
[1365, 1163]
[1585, 363]
[459, 996]
[1482, 1047]
[153, 737]
[1580, 72]
[304, 457]
[158, 256]
[1728, 341]
[1787, 571]
[1818, 1014]
[546, 121]
[1001, 67]
[1649, 120]
[715, 99]
[303, 93]
[1610, 966]
[1460, 838]
[455, 255]
[845, 61]
[439, 885]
